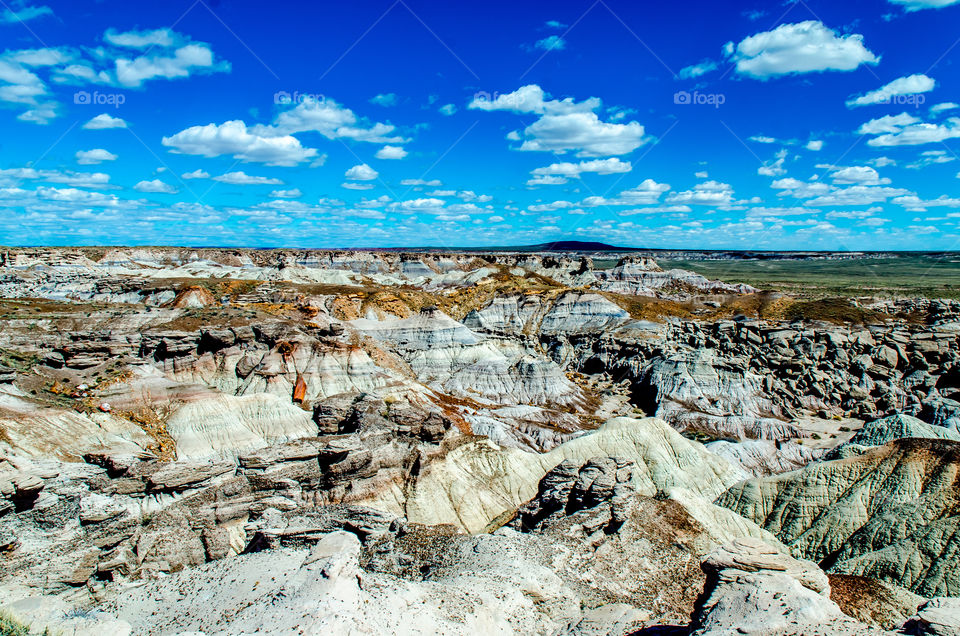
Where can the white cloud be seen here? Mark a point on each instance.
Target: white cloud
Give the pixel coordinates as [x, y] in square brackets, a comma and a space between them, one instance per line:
[814, 145]
[331, 120]
[551, 43]
[906, 130]
[77, 179]
[909, 85]
[658, 209]
[361, 172]
[350, 185]
[196, 174]
[774, 168]
[703, 174]
[384, 99]
[929, 158]
[858, 175]
[105, 121]
[762, 139]
[430, 205]
[804, 47]
[155, 186]
[882, 162]
[550, 207]
[530, 99]
[583, 133]
[939, 108]
[234, 138]
[696, 70]
[856, 195]
[163, 38]
[433, 183]
[286, 194]
[565, 125]
[23, 15]
[707, 193]
[546, 180]
[917, 5]
[850, 214]
[391, 152]
[447, 109]
[95, 156]
[612, 165]
[887, 124]
[167, 62]
[40, 115]
[916, 204]
[242, 178]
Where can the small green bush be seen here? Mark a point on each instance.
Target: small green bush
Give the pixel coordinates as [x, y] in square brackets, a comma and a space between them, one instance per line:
[9, 626]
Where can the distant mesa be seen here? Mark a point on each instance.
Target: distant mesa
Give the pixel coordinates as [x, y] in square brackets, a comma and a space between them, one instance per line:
[576, 246]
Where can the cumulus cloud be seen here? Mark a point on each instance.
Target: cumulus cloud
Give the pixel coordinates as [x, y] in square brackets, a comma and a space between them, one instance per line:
[361, 172]
[432, 183]
[564, 125]
[917, 5]
[235, 139]
[67, 177]
[286, 194]
[856, 195]
[909, 85]
[551, 43]
[391, 152]
[648, 192]
[564, 170]
[707, 193]
[907, 130]
[698, 69]
[9, 16]
[95, 156]
[550, 207]
[331, 120]
[241, 178]
[352, 185]
[448, 110]
[24, 14]
[862, 175]
[156, 186]
[939, 108]
[929, 158]
[105, 121]
[916, 204]
[429, 205]
[196, 174]
[547, 180]
[384, 99]
[163, 38]
[815, 145]
[804, 47]
[583, 133]
[168, 55]
[774, 168]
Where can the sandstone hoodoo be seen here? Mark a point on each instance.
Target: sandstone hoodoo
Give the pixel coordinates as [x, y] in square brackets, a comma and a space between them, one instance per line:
[283, 441]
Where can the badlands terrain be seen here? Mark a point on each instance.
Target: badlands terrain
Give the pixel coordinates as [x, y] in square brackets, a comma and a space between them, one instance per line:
[302, 442]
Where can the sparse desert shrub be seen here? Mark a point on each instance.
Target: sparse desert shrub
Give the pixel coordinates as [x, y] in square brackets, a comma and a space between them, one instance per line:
[9, 626]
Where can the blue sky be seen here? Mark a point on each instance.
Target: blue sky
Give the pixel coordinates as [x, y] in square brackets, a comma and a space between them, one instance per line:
[806, 125]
